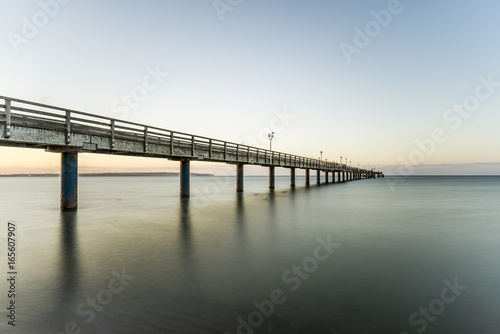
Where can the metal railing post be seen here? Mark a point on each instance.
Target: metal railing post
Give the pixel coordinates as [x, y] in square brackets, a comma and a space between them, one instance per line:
[192, 146]
[171, 143]
[68, 127]
[8, 107]
[112, 125]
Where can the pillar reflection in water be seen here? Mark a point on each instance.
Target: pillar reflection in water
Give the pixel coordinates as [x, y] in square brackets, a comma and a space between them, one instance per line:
[68, 259]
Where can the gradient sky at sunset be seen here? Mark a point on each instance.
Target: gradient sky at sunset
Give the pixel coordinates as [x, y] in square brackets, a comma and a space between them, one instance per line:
[383, 83]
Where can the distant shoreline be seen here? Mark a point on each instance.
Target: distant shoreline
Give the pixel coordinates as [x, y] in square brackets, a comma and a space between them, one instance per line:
[103, 174]
[203, 174]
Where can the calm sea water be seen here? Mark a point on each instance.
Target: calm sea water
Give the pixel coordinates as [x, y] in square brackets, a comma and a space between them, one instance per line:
[362, 257]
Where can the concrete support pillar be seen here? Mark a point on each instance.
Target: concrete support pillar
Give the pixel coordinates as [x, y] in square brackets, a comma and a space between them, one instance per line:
[69, 181]
[185, 173]
[292, 177]
[344, 179]
[308, 174]
[318, 176]
[272, 177]
[326, 177]
[239, 178]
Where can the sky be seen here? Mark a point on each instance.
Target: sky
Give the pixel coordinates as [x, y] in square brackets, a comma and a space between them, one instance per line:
[409, 87]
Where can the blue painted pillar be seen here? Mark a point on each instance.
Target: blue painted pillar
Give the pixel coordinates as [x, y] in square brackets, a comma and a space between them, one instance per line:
[69, 181]
[292, 177]
[318, 176]
[271, 177]
[307, 176]
[239, 178]
[185, 178]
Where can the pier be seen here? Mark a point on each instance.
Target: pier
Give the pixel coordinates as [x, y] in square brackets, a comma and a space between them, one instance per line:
[68, 132]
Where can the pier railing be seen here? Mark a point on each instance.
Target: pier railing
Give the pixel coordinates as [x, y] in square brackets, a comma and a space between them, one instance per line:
[16, 112]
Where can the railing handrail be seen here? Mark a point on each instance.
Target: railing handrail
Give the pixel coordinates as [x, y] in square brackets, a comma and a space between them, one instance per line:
[208, 140]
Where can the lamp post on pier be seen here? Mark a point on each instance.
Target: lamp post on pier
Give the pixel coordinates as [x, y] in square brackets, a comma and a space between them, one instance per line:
[270, 136]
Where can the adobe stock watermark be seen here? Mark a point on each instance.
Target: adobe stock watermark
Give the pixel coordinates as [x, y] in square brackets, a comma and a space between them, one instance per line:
[436, 307]
[277, 123]
[31, 26]
[371, 30]
[224, 6]
[292, 279]
[453, 119]
[127, 102]
[87, 309]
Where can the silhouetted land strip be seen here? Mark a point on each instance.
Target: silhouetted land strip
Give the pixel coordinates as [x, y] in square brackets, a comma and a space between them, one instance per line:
[104, 174]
